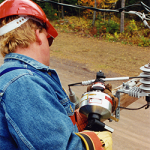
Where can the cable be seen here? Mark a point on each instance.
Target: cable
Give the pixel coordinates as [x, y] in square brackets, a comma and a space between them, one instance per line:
[133, 108]
[145, 7]
[79, 6]
[123, 8]
[143, 16]
[96, 9]
[75, 84]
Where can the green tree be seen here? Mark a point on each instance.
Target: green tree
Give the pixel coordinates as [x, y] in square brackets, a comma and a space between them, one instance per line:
[49, 9]
[69, 10]
[1, 1]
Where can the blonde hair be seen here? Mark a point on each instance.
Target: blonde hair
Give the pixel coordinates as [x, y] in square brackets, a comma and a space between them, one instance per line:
[22, 36]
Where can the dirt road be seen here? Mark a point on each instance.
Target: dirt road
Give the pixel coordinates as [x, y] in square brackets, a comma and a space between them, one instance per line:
[132, 131]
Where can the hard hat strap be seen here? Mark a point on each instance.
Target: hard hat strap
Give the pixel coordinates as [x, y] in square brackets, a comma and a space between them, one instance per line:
[13, 25]
[17, 23]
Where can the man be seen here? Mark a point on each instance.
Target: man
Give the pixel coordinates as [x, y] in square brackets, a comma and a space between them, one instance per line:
[34, 109]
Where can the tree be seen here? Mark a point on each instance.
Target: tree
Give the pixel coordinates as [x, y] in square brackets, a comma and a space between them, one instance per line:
[1, 1]
[122, 17]
[94, 14]
[62, 10]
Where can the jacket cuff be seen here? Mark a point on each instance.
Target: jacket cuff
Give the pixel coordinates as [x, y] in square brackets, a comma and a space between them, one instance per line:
[91, 140]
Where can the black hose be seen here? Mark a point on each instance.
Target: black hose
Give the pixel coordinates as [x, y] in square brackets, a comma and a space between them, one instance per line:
[133, 108]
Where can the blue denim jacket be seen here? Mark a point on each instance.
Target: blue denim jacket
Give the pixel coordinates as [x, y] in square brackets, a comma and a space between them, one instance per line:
[34, 108]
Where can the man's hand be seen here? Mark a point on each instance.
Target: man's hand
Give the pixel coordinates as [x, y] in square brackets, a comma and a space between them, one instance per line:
[108, 90]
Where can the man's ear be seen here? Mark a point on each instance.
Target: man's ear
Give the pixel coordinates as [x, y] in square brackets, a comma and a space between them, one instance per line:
[38, 39]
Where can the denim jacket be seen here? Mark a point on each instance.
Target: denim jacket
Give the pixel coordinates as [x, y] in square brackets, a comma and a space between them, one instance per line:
[34, 109]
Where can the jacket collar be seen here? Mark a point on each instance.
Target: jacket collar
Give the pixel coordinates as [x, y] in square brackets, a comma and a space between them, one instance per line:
[28, 60]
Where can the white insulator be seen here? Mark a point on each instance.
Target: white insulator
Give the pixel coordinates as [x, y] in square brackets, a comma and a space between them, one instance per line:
[145, 81]
[87, 82]
[146, 68]
[116, 79]
[134, 92]
[145, 74]
[145, 87]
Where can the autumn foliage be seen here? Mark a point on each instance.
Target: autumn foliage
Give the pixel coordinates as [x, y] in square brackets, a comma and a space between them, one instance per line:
[99, 4]
[90, 2]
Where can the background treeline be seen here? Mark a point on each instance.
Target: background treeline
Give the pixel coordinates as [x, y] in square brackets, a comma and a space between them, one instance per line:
[53, 11]
[106, 26]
